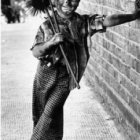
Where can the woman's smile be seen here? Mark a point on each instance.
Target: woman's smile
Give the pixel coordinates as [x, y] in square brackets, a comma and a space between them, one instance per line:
[67, 9]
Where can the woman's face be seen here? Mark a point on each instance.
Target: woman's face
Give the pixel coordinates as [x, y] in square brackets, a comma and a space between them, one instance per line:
[66, 8]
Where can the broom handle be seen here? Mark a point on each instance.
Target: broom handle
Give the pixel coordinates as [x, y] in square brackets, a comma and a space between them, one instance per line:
[52, 25]
[61, 48]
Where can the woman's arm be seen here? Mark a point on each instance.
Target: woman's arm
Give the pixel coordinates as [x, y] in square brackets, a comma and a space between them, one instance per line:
[41, 49]
[117, 19]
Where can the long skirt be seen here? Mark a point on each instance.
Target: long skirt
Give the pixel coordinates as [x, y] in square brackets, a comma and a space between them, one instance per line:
[50, 91]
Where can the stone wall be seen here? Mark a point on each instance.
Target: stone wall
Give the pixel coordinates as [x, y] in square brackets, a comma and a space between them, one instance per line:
[114, 66]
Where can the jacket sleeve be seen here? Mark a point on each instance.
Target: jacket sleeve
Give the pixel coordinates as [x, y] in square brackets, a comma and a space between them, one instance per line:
[39, 37]
[95, 24]
[44, 34]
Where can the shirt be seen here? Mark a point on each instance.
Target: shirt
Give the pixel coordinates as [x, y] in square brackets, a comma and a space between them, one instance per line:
[76, 30]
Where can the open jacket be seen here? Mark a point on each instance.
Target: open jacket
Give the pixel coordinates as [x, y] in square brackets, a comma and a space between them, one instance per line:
[76, 30]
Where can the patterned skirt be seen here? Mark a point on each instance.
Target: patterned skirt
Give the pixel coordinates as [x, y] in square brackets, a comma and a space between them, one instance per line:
[50, 91]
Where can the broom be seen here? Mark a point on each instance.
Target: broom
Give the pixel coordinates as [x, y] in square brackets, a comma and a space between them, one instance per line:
[38, 6]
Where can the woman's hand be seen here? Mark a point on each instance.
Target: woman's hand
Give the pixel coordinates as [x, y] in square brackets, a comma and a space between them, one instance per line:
[137, 14]
[42, 48]
[55, 40]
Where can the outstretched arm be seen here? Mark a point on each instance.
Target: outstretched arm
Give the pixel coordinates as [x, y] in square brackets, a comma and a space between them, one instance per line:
[117, 19]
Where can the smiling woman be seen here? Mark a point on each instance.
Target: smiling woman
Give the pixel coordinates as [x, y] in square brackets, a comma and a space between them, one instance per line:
[66, 8]
[53, 83]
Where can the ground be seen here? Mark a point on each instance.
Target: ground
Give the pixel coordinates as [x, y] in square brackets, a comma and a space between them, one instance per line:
[84, 116]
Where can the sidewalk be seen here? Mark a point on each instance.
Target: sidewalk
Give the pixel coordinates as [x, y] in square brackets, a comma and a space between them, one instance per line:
[84, 116]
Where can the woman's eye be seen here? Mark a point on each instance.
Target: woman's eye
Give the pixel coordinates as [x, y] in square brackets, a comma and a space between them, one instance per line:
[74, 3]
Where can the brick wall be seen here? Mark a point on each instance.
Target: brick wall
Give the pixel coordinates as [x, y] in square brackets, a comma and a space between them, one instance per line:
[115, 58]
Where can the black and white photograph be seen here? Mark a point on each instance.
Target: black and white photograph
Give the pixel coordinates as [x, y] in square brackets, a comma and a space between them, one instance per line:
[70, 70]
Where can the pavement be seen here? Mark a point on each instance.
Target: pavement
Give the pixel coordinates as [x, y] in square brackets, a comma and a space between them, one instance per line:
[84, 116]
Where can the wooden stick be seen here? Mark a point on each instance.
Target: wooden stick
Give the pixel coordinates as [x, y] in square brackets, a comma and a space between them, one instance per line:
[61, 47]
[50, 20]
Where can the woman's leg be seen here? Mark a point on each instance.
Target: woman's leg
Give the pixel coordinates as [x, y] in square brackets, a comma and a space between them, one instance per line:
[50, 124]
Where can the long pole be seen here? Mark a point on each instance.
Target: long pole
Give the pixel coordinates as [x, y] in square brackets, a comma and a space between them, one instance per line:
[61, 47]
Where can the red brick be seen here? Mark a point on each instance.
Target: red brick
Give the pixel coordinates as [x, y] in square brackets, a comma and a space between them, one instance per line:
[133, 49]
[136, 65]
[138, 94]
[135, 105]
[135, 77]
[117, 39]
[128, 85]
